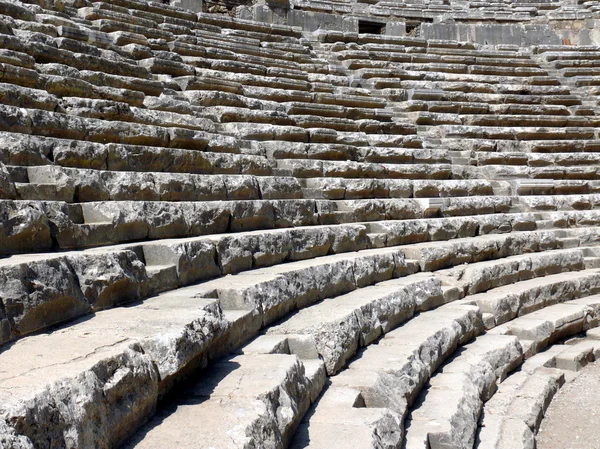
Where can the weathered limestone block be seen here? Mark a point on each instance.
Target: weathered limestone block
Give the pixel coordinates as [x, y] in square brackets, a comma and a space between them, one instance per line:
[38, 294]
[108, 279]
[119, 388]
[207, 217]
[25, 227]
[7, 187]
[126, 186]
[193, 258]
[448, 416]
[16, 11]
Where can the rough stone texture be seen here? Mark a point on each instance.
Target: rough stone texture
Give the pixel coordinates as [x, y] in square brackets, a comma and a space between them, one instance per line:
[447, 414]
[250, 400]
[173, 183]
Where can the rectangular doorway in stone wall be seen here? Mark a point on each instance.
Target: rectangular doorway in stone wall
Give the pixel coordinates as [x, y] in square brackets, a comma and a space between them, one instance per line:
[368, 27]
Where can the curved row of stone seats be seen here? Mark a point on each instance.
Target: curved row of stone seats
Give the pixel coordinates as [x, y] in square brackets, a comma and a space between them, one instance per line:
[372, 396]
[55, 183]
[309, 160]
[31, 225]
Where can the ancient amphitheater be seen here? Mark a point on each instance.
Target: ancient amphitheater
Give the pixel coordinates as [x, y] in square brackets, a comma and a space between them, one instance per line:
[324, 224]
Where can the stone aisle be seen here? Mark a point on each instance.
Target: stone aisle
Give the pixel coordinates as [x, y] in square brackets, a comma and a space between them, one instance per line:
[573, 418]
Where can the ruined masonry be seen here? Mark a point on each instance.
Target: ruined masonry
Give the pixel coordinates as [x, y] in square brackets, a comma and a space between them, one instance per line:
[324, 224]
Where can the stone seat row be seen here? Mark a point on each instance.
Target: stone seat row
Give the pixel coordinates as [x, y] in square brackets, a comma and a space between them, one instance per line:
[57, 183]
[516, 133]
[64, 81]
[394, 163]
[375, 52]
[184, 131]
[531, 146]
[495, 108]
[430, 96]
[161, 111]
[429, 48]
[395, 72]
[76, 225]
[471, 119]
[83, 185]
[450, 68]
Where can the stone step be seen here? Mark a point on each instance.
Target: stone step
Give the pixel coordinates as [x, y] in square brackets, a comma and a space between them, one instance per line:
[300, 168]
[447, 412]
[507, 302]
[129, 221]
[247, 399]
[471, 108]
[505, 120]
[503, 101]
[532, 146]
[517, 133]
[337, 327]
[550, 324]
[314, 425]
[57, 183]
[436, 255]
[512, 417]
[41, 150]
[371, 396]
[537, 159]
[482, 276]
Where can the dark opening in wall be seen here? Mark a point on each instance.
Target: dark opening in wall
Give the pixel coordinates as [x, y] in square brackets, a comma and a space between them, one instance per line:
[366, 27]
[412, 28]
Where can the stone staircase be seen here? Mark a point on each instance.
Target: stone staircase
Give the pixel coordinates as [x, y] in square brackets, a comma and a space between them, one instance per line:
[222, 233]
